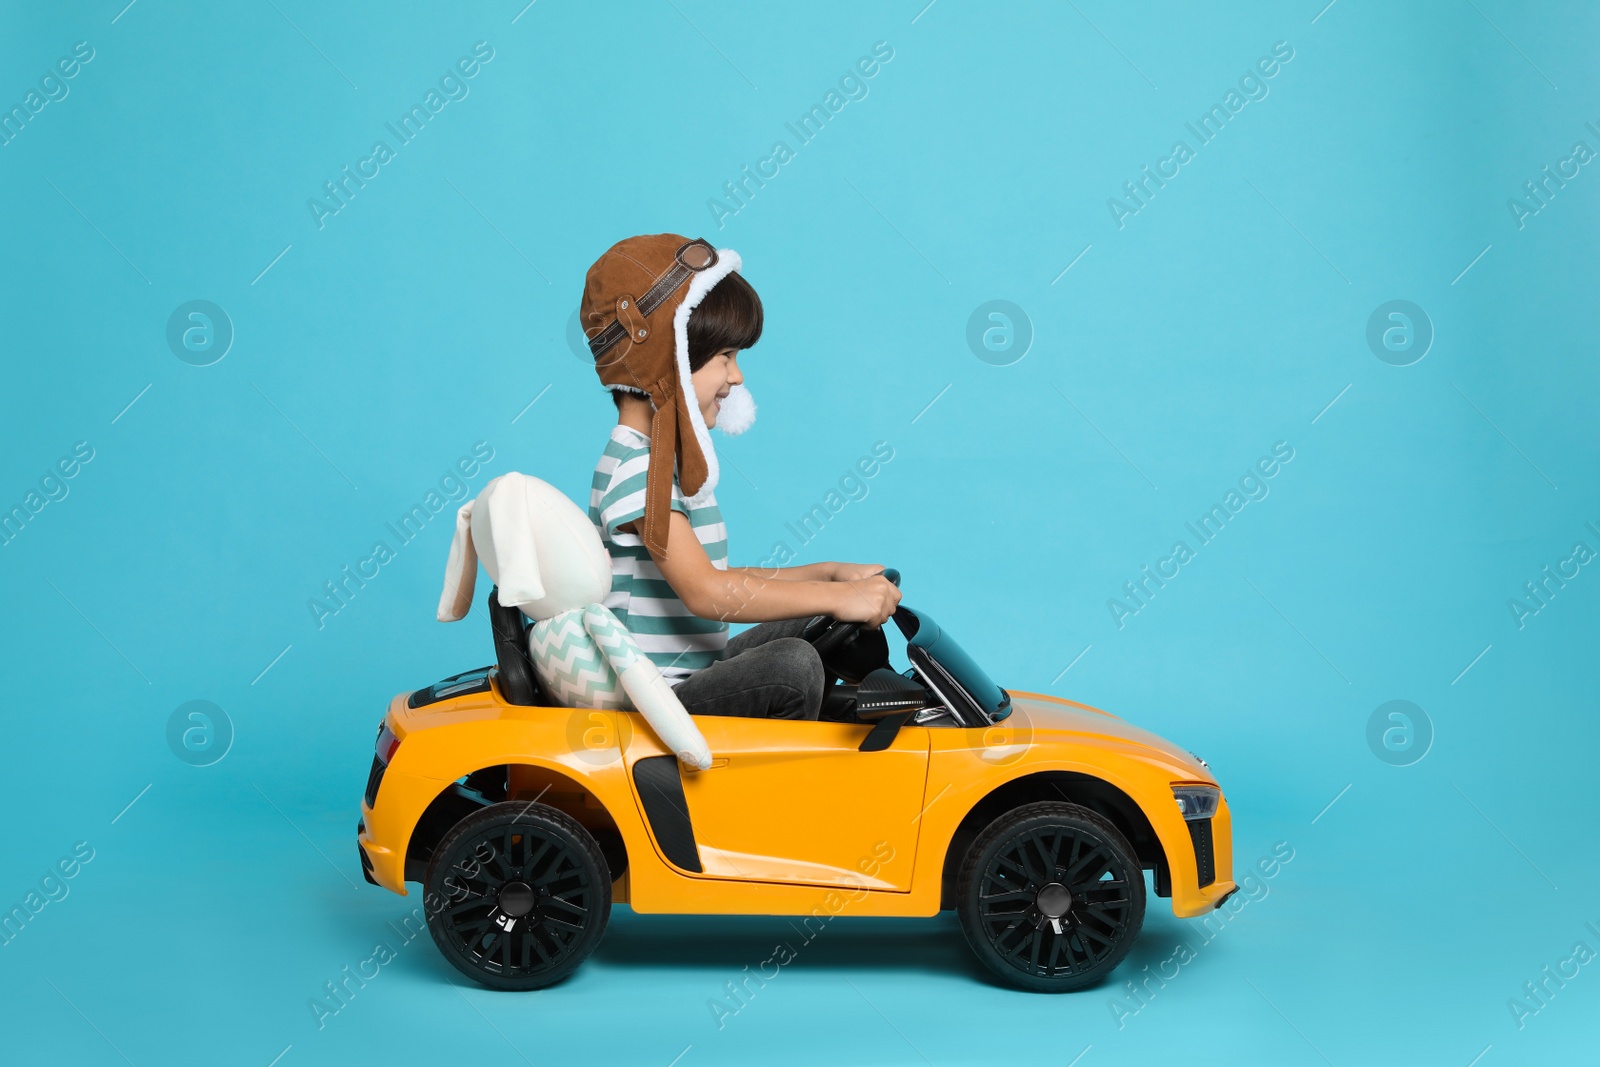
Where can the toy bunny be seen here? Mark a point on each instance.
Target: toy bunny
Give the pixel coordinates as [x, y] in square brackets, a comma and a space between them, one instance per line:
[546, 557]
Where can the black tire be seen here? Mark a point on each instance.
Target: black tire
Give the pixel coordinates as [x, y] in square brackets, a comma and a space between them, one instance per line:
[517, 895]
[1049, 858]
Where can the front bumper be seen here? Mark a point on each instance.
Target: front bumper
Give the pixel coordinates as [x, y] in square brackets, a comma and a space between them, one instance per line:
[1201, 867]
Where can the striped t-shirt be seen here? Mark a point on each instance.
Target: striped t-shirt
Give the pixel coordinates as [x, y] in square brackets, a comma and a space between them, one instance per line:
[678, 642]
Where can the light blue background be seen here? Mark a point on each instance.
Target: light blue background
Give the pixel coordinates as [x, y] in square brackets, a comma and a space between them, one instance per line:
[427, 314]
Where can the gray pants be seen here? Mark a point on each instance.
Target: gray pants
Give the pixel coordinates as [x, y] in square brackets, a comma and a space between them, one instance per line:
[768, 671]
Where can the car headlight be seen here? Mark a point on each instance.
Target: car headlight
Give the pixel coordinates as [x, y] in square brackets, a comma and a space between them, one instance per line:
[1197, 801]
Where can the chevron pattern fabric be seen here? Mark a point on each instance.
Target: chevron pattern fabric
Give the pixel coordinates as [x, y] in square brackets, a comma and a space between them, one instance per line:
[573, 666]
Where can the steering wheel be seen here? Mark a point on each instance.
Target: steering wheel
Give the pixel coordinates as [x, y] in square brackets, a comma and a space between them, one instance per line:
[827, 634]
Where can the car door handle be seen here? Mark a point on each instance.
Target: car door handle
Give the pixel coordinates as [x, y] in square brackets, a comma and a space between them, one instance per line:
[718, 762]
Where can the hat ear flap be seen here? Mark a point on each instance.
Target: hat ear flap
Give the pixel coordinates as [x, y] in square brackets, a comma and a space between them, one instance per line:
[692, 467]
[460, 570]
[512, 522]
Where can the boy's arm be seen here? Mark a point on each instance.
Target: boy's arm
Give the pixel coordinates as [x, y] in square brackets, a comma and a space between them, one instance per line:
[816, 572]
[746, 594]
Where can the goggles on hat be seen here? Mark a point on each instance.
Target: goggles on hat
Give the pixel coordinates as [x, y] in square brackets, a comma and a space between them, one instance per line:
[692, 257]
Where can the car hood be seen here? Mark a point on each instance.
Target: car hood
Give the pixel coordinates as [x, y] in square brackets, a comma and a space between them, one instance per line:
[1045, 719]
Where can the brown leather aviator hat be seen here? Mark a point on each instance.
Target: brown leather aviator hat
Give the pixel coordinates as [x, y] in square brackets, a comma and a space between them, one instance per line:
[636, 304]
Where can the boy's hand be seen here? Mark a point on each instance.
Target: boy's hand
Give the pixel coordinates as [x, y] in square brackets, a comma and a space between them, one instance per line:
[867, 600]
[850, 572]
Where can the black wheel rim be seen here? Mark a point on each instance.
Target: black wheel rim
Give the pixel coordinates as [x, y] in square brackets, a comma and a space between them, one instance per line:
[1055, 902]
[518, 899]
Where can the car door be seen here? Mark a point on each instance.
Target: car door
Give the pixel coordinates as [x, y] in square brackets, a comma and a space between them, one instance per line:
[797, 802]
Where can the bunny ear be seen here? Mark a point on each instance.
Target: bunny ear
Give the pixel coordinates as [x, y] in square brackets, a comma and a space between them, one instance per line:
[512, 520]
[460, 571]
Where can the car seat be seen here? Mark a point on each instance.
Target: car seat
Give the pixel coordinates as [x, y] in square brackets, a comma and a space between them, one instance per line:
[519, 682]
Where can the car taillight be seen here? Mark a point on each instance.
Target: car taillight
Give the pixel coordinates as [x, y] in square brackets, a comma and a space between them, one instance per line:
[387, 743]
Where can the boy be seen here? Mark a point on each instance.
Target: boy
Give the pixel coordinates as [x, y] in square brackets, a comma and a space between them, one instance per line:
[666, 319]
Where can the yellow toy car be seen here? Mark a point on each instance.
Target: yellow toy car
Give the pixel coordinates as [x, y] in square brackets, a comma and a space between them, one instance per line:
[1032, 816]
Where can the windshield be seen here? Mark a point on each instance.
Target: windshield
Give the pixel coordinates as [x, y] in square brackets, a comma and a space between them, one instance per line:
[925, 636]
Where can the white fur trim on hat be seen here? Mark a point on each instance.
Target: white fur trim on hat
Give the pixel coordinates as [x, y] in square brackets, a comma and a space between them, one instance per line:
[738, 412]
[727, 262]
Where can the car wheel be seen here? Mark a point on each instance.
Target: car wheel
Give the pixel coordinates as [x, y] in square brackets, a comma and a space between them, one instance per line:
[517, 895]
[1051, 897]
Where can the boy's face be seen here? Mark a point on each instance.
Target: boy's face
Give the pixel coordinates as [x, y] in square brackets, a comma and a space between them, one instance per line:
[713, 381]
